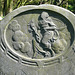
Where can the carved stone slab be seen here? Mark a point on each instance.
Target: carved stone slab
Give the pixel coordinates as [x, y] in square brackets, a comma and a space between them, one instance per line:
[38, 40]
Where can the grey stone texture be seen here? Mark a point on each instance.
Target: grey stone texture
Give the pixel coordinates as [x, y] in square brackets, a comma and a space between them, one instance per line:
[38, 40]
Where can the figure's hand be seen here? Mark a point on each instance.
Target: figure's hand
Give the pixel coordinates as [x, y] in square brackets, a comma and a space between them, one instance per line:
[18, 45]
[47, 54]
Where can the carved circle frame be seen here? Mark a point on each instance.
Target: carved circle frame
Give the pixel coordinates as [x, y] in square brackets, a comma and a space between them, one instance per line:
[34, 62]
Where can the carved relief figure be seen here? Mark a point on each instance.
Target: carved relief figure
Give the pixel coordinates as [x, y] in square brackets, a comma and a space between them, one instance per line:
[50, 35]
[20, 39]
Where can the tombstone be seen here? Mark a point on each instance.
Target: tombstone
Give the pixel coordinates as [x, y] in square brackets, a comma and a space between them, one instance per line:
[38, 40]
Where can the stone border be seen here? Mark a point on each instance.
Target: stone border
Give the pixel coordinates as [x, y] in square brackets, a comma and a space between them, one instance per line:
[66, 13]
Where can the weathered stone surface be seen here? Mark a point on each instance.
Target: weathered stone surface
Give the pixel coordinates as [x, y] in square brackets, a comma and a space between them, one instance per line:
[38, 40]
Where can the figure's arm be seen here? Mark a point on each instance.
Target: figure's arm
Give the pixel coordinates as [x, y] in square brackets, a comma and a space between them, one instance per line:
[50, 28]
[61, 28]
[53, 28]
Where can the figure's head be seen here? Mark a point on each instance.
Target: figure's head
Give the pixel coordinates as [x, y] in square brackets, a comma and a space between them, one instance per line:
[14, 26]
[44, 15]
